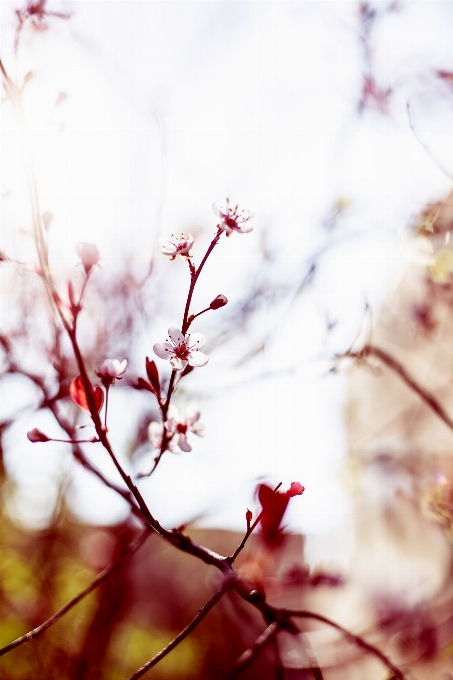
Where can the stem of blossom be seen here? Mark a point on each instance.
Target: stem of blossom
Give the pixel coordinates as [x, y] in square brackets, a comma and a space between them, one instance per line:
[194, 278]
[250, 654]
[250, 529]
[107, 387]
[192, 317]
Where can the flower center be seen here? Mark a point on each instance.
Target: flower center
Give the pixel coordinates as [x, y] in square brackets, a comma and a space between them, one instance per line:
[230, 222]
[181, 351]
[181, 428]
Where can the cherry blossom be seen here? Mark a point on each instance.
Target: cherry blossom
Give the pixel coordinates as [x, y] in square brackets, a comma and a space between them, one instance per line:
[155, 434]
[111, 370]
[177, 245]
[232, 219]
[179, 425]
[180, 350]
[89, 255]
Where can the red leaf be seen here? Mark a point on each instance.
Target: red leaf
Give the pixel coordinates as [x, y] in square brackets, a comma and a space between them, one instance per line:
[153, 375]
[274, 504]
[143, 385]
[78, 394]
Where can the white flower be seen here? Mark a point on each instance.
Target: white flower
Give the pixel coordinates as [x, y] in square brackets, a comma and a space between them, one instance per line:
[179, 425]
[180, 350]
[89, 255]
[176, 245]
[232, 219]
[177, 428]
[111, 370]
[155, 434]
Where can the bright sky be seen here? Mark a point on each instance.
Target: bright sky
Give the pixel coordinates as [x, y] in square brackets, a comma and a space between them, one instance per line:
[172, 105]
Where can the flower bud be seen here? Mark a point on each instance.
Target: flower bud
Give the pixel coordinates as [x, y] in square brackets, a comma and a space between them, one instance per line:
[219, 301]
[89, 255]
[36, 435]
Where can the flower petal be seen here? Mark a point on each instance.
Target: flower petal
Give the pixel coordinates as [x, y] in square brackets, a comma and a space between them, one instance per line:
[192, 414]
[216, 210]
[198, 359]
[195, 340]
[183, 443]
[163, 350]
[245, 229]
[155, 433]
[198, 429]
[175, 335]
[177, 363]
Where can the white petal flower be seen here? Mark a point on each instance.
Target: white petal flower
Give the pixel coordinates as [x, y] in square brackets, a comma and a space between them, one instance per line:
[180, 350]
[177, 245]
[232, 219]
[155, 434]
[181, 424]
[111, 370]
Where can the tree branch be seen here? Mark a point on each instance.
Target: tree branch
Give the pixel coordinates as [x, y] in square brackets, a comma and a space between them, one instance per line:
[356, 639]
[399, 369]
[250, 654]
[100, 578]
[184, 633]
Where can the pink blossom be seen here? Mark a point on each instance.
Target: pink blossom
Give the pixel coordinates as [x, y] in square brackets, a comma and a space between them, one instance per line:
[177, 427]
[177, 245]
[180, 350]
[89, 255]
[232, 219]
[111, 370]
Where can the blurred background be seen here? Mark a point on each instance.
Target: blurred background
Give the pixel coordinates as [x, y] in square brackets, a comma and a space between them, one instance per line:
[333, 122]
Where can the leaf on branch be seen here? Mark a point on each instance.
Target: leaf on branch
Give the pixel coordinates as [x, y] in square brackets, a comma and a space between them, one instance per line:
[153, 375]
[79, 395]
[143, 385]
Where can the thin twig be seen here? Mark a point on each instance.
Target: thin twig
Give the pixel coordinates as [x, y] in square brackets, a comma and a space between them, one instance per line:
[399, 369]
[356, 639]
[250, 654]
[184, 633]
[100, 578]
[240, 547]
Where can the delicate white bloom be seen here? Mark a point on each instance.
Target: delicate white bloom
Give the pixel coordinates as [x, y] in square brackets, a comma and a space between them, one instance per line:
[181, 424]
[155, 434]
[232, 219]
[177, 245]
[177, 428]
[89, 255]
[180, 350]
[111, 370]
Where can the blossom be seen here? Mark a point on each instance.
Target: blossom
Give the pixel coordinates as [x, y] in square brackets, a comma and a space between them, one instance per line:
[177, 245]
[179, 425]
[232, 219]
[111, 370]
[180, 350]
[89, 255]
[177, 428]
[155, 435]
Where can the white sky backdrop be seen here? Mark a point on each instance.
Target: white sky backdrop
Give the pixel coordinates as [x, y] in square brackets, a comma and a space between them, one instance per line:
[173, 105]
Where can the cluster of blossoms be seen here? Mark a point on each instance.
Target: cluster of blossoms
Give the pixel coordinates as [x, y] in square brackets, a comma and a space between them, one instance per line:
[177, 427]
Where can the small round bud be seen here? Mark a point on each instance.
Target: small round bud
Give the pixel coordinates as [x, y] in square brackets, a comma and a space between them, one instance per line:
[248, 516]
[36, 435]
[219, 301]
[89, 255]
